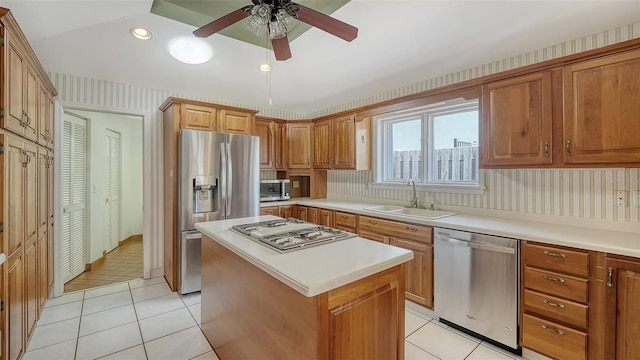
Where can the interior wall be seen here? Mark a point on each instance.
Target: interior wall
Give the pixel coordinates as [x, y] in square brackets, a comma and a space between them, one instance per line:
[131, 221]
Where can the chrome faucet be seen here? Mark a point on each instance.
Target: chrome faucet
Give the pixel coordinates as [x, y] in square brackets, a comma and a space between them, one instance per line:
[414, 198]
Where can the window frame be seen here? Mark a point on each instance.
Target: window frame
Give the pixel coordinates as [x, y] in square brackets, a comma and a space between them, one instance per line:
[426, 114]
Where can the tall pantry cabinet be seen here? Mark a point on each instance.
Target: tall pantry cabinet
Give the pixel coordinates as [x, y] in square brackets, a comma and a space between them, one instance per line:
[26, 191]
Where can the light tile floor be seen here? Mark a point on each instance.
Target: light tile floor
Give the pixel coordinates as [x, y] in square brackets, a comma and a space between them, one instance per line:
[143, 319]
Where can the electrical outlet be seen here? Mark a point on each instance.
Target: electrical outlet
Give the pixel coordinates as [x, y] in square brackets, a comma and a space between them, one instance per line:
[621, 197]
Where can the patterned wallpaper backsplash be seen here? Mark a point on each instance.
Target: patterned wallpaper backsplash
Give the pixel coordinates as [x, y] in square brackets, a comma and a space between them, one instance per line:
[584, 193]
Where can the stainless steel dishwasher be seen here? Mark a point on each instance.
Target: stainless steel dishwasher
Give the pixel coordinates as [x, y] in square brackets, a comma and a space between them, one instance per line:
[476, 284]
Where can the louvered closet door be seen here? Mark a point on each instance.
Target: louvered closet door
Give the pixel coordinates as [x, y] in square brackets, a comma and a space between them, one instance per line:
[112, 201]
[73, 195]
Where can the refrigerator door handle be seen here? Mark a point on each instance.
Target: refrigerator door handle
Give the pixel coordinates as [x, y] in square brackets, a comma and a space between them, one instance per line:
[230, 179]
[223, 178]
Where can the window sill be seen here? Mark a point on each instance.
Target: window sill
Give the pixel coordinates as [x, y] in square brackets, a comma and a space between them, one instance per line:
[444, 188]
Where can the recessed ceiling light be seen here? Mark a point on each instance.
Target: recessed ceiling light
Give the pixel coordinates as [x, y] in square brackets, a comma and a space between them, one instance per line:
[190, 50]
[141, 33]
[264, 67]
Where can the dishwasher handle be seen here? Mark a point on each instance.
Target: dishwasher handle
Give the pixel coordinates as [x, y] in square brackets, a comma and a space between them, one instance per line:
[474, 245]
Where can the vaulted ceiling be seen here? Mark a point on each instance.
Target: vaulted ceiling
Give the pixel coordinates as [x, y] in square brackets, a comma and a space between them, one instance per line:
[399, 43]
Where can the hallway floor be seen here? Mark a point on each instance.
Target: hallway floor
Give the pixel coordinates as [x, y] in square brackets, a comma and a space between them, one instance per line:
[123, 263]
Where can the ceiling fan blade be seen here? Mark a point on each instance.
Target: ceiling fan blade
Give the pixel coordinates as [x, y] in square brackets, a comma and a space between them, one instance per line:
[223, 22]
[325, 22]
[281, 48]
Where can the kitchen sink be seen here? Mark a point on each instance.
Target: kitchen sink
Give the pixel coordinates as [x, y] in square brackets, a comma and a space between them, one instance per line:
[413, 212]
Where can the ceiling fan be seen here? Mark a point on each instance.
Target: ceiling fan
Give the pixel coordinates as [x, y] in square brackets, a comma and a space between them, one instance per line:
[278, 17]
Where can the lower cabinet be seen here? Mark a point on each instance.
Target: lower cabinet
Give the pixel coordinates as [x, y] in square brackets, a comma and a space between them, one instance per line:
[301, 213]
[417, 238]
[325, 217]
[345, 221]
[288, 211]
[622, 330]
[14, 307]
[271, 210]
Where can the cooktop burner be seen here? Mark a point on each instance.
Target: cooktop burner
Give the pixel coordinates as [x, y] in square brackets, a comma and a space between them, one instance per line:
[286, 235]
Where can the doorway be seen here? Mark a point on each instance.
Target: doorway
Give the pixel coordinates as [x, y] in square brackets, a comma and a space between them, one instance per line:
[113, 226]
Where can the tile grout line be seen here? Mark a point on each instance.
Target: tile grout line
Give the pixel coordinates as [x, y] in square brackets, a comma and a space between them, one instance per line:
[75, 353]
[135, 311]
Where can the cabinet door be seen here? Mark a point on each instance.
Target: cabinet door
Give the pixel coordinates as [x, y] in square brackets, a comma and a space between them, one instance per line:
[302, 213]
[50, 232]
[30, 191]
[300, 141]
[43, 115]
[322, 144]
[42, 269]
[623, 309]
[50, 121]
[312, 215]
[14, 308]
[14, 163]
[31, 285]
[343, 145]
[196, 117]
[419, 271]
[374, 236]
[235, 122]
[601, 110]
[325, 217]
[16, 64]
[280, 146]
[31, 103]
[264, 130]
[287, 211]
[516, 121]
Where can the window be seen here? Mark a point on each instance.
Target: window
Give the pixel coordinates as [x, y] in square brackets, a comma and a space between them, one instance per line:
[444, 135]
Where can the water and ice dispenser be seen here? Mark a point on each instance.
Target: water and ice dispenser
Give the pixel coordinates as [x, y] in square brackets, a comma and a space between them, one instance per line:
[205, 194]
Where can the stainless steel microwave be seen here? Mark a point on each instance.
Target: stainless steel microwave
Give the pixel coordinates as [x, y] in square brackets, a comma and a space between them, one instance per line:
[274, 190]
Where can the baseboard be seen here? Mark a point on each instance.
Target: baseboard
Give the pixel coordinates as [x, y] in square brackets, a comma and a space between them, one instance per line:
[129, 239]
[99, 261]
[158, 272]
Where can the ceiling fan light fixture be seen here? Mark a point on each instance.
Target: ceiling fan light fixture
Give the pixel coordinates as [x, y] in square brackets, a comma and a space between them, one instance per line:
[190, 50]
[141, 33]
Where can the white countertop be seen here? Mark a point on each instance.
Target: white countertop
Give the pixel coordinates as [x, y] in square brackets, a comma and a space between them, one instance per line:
[610, 241]
[314, 270]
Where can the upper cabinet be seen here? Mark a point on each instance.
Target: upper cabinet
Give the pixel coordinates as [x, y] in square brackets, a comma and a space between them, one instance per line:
[601, 110]
[342, 143]
[516, 121]
[236, 122]
[195, 117]
[273, 138]
[299, 141]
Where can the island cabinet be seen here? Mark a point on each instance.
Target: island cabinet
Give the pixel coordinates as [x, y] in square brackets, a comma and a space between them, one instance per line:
[622, 307]
[272, 134]
[249, 314]
[556, 292]
[417, 238]
[517, 121]
[342, 143]
[601, 110]
[299, 145]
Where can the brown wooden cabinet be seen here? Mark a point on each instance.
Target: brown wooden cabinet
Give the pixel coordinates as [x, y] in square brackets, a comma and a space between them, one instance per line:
[15, 84]
[44, 163]
[14, 314]
[601, 110]
[197, 117]
[342, 143]
[236, 122]
[299, 139]
[271, 210]
[417, 238]
[301, 213]
[325, 217]
[555, 298]
[312, 215]
[622, 308]
[345, 221]
[288, 211]
[280, 144]
[264, 130]
[517, 121]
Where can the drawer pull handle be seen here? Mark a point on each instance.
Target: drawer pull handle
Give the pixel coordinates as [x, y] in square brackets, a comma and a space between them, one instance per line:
[555, 254]
[554, 279]
[344, 217]
[610, 278]
[555, 331]
[553, 304]
[412, 229]
[372, 222]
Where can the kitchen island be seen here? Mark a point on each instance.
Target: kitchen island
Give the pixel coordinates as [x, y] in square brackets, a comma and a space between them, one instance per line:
[341, 300]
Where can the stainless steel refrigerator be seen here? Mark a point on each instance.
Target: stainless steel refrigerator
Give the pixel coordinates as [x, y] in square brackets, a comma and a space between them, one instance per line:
[219, 179]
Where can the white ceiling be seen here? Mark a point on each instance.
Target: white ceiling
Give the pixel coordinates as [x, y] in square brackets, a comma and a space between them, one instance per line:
[399, 43]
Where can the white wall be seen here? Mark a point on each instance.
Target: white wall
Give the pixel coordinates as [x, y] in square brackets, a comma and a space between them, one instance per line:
[130, 129]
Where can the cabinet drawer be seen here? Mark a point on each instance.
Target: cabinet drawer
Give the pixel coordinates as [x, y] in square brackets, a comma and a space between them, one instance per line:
[345, 228]
[554, 340]
[555, 308]
[565, 286]
[345, 219]
[557, 259]
[420, 233]
[373, 236]
[271, 210]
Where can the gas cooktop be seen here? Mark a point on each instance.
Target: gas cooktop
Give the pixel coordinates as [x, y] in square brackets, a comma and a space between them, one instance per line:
[286, 235]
